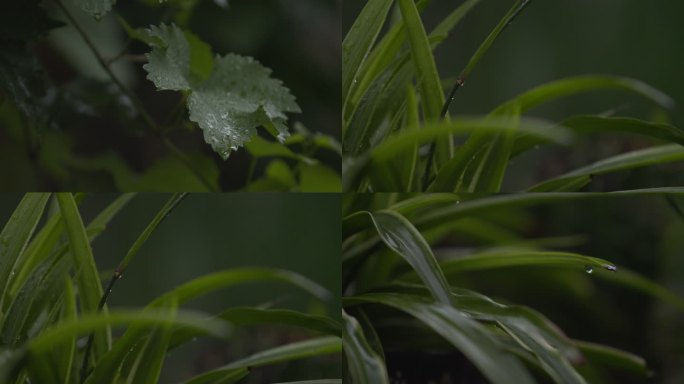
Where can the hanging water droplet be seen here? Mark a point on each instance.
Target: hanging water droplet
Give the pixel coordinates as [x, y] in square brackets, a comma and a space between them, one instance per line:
[588, 269]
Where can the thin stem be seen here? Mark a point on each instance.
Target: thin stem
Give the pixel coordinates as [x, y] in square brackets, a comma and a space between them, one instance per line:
[137, 103]
[465, 73]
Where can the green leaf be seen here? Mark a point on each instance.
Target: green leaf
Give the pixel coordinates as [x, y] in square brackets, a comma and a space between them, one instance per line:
[467, 335]
[294, 351]
[364, 365]
[237, 96]
[253, 316]
[87, 277]
[15, 237]
[319, 178]
[358, 41]
[404, 239]
[95, 8]
[612, 357]
[640, 158]
[512, 258]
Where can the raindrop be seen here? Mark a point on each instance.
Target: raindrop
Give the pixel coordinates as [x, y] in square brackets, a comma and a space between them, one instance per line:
[588, 269]
[610, 267]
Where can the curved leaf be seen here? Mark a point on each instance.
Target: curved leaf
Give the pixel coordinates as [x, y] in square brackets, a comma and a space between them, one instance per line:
[364, 365]
[467, 335]
[640, 158]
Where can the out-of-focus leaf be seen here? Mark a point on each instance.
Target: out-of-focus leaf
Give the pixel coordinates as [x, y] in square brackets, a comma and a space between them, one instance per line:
[364, 365]
[298, 350]
[640, 158]
[319, 178]
[95, 8]
[229, 103]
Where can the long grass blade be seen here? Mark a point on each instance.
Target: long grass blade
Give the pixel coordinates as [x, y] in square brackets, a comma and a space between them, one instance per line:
[467, 335]
[640, 158]
[15, 237]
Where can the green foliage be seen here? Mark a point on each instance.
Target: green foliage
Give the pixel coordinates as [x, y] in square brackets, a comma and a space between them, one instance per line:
[412, 267]
[48, 110]
[382, 66]
[52, 297]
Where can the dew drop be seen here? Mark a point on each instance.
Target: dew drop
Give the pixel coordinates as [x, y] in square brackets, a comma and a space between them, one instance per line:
[588, 269]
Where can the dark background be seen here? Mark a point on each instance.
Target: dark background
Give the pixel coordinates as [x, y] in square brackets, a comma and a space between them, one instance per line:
[211, 232]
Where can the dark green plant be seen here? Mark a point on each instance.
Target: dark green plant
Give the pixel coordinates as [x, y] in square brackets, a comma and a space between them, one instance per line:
[226, 96]
[52, 296]
[398, 134]
[403, 290]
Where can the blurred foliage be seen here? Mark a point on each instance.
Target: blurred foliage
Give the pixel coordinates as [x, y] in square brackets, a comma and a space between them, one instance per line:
[64, 125]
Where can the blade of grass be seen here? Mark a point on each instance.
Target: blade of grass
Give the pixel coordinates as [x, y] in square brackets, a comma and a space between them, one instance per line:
[246, 316]
[432, 95]
[294, 351]
[477, 139]
[612, 357]
[359, 40]
[405, 240]
[598, 124]
[15, 237]
[467, 335]
[364, 365]
[87, 276]
[640, 158]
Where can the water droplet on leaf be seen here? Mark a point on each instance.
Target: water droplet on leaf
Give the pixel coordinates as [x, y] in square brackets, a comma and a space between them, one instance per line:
[588, 269]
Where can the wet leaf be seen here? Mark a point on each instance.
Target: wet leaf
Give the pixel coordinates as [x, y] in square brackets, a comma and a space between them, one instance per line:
[237, 96]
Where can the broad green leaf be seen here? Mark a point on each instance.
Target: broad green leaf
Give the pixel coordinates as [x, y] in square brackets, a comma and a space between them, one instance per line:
[364, 365]
[639, 158]
[466, 334]
[95, 8]
[358, 41]
[229, 103]
[15, 236]
[298, 350]
[404, 239]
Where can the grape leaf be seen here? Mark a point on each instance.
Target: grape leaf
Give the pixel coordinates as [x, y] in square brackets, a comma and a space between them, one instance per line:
[95, 8]
[229, 96]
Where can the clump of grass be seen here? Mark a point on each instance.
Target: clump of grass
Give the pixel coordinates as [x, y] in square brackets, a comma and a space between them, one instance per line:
[56, 326]
[411, 293]
[398, 134]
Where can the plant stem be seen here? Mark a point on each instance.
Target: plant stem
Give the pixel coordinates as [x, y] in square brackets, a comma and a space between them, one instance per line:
[137, 103]
[119, 271]
[465, 73]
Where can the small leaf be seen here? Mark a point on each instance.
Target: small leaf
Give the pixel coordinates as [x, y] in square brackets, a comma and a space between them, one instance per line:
[230, 96]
